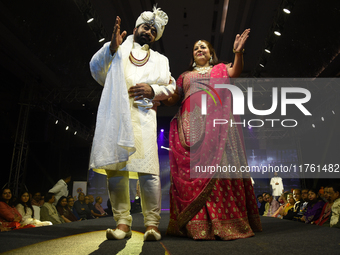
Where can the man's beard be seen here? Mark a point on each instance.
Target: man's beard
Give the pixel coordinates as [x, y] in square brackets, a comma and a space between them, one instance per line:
[142, 39]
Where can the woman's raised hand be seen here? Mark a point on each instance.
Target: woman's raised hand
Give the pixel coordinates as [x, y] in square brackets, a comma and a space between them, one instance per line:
[240, 40]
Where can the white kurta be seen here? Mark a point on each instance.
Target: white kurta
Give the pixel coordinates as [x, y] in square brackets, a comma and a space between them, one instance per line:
[125, 136]
[59, 189]
[277, 189]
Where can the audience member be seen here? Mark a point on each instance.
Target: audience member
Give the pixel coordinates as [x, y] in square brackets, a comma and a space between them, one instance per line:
[303, 205]
[283, 203]
[91, 207]
[334, 193]
[37, 199]
[70, 204]
[25, 208]
[298, 202]
[289, 206]
[64, 210]
[99, 207]
[9, 215]
[60, 188]
[324, 219]
[314, 207]
[82, 208]
[262, 204]
[273, 205]
[49, 212]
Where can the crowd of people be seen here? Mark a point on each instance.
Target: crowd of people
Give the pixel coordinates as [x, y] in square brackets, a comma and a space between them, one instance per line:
[34, 210]
[309, 206]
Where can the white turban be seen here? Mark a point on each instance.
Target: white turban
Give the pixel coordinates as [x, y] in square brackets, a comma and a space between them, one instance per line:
[157, 18]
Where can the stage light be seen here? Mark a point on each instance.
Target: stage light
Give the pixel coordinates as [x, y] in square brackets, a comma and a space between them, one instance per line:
[83, 105]
[276, 32]
[286, 10]
[75, 132]
[261, 65]
[162, 130]
[67, 127]
[267, 50]
[322, 119]
[333, 112]
[56, 122]
[88, 17]
[313, 125]
[249, 127]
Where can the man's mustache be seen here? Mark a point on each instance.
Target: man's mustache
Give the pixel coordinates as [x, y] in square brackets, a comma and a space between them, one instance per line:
[145, 35]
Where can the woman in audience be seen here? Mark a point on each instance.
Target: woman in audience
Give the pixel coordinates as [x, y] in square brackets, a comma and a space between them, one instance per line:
[25, 208]
[9, 215]
[283, 201]
[314, 207]
[326, 210]
[49, 212]
[289, 206]
[65, 211]
[70, 204]
[99, 207]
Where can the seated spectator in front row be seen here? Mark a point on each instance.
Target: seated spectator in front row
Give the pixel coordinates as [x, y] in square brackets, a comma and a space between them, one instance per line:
[9, 215]
[37, 199]
[262, 204]
[99, 207]
[289, 206]
[271, 206]
[26, 210]
[64, 210]
[283, 203]
[82, 208]
[92, 208]
[48, 212]
[70, 204]
[334, 192]
[314, 207]
[298, 202]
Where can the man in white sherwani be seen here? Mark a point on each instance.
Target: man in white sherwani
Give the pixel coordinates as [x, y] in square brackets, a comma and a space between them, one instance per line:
[277, 185]
[135, 78]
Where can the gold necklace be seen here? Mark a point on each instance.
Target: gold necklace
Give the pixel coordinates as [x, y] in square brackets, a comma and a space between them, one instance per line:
[139, 62]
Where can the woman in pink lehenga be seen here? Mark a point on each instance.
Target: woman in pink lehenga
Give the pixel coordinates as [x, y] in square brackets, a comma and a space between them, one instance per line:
[204, 205]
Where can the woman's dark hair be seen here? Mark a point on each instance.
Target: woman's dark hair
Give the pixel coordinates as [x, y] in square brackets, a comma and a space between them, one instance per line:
[11, 202]
[59, 201]
[48, 196]
[215, 60]
[28, 203]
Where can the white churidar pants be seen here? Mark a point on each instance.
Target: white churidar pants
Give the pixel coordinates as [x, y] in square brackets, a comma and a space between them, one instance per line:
[150, 189]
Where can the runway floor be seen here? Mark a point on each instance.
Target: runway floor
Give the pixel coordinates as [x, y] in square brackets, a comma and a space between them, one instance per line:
[88, 237]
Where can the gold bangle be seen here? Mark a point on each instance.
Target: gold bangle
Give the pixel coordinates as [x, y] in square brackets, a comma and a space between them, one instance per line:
[238, 51]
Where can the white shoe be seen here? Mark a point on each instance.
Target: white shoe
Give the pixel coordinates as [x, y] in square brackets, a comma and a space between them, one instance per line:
[145, 102]
[117, 234]
[152, 235]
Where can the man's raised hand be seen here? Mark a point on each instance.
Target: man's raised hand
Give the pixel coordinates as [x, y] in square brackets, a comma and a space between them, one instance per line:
[117, 37]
